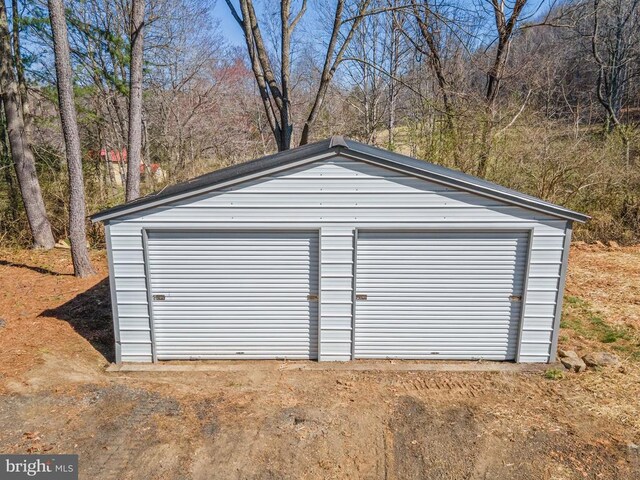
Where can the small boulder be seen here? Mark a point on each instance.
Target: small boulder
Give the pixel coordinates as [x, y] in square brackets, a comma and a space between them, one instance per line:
[600, 359]
[62, 244]
[563, 353]
[573, 362]
[613, 245]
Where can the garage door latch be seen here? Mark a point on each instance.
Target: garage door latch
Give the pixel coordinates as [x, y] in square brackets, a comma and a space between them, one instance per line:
[361, 296]
[158, 297]
[312, 297]
[515, 298]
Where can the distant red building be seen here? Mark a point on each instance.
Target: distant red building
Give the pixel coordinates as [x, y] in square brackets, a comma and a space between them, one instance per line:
[118, 164]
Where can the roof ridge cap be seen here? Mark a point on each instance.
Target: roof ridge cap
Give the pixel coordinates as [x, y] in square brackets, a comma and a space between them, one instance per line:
[337, 141]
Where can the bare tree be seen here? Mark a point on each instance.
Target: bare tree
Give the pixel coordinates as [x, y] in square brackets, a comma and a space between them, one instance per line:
[368, 76]
[276, 95]
[430, 27]
[615, 45]
[13, 195]
[332, 59]
[394, 50]
[21, 152]
[505, 28]
[77, 229]
[134, 151]
[505, 24]
[22, 82]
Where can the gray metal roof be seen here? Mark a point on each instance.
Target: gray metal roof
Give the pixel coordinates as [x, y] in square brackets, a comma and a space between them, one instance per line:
[338, 145]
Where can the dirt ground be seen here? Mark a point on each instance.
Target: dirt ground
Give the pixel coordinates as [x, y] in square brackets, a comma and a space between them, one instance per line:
[264, 421]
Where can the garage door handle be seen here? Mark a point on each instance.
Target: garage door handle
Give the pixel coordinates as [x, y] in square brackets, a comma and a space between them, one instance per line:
[312, 298]
[360, 296]
[515, 298]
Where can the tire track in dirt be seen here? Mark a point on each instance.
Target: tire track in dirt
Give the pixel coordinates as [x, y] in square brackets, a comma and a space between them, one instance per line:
[131, 437]
[437, 386]
[470, 386]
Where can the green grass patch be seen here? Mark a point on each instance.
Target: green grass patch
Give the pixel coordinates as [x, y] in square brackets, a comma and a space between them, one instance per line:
[554, 374]
[585, 321]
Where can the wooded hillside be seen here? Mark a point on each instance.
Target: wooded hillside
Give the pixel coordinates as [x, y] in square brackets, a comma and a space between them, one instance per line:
[538, 96]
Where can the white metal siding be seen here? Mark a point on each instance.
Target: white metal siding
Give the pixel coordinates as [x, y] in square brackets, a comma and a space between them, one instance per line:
[439, 294]
[337, 195]
[336, 287]
[234, 294]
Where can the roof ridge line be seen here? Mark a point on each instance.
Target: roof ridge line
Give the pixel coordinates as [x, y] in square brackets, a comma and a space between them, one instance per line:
[333, 146]
[337, 141]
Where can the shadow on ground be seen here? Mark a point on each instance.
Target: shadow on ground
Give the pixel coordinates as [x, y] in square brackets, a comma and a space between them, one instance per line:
[44, 271]
[89, 313]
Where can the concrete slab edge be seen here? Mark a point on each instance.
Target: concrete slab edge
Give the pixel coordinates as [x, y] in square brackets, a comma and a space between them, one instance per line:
[358, 366]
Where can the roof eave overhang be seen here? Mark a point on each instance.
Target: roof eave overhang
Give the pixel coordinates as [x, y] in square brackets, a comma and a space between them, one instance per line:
[126, 209]
[341, 148]
[554, 210]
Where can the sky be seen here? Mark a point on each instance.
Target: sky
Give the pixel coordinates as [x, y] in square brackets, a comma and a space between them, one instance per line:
[229, 28]
[232, 33]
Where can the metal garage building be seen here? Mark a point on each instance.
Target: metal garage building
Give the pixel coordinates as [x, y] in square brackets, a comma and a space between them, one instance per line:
[334, 251]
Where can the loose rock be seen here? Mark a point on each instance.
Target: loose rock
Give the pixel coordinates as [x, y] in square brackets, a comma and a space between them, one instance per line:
[600, 359]
[2, 323]
[573, 362]
[62, 244]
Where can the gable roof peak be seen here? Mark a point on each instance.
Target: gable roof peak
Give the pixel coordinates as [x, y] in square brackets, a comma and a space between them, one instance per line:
[330, 148]
[338, 141]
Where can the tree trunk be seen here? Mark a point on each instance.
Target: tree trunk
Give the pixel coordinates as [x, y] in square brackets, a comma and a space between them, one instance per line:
[21, 152]
[394, 64]
[22, 82]
[146, 158]
[275, 96]
[134, 149]
[485, 146]
[14, 201]
[285, 74]
[505, 30]
[435, 60]
[77, 235]
[332, 60]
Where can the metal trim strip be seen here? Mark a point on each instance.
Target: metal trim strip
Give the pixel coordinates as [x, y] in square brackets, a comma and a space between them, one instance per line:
[123, 210]
[114, 299]
[525, 286]
[291, 159]
[353, 292]
[560, 294]
[554, 210]
[320, 286]
[147, 279]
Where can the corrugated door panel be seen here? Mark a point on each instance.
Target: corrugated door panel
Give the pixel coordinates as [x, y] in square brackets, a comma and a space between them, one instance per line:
[439, 295]
[231, 295]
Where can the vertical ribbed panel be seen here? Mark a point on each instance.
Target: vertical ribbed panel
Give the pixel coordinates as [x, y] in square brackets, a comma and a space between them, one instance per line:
[439, 295]
[234, 294]
[336, 287]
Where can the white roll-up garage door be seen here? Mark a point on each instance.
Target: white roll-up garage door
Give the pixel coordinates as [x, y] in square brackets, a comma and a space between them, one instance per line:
[439, 295]
[225, 295]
